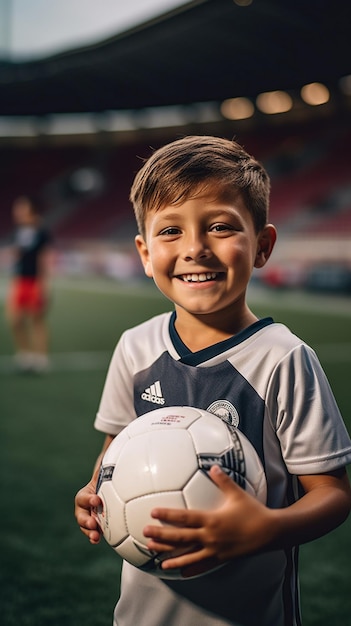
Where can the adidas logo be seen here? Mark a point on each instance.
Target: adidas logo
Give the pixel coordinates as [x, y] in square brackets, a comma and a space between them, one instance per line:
[153, 394]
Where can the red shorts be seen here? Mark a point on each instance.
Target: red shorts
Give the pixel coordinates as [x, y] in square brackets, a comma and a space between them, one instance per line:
[27, 295]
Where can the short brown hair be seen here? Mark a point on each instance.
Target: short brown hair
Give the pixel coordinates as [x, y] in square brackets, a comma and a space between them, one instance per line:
[176, 172]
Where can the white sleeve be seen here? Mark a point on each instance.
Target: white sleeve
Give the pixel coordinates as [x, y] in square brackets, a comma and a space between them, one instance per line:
[116, 408]
[312, 434]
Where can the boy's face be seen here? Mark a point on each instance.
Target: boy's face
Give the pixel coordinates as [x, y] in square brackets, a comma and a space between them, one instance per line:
[201, 253]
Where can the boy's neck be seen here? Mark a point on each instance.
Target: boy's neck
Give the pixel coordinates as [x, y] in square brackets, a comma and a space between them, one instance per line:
[202, 331]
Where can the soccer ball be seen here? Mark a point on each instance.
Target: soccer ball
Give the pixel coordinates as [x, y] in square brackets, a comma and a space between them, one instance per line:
[163, 459]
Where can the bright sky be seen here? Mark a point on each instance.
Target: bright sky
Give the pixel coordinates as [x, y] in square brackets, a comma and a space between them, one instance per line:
[33, 28]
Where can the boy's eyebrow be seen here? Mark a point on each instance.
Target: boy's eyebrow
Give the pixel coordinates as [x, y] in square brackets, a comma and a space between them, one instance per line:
[212, 212]
[168, 216]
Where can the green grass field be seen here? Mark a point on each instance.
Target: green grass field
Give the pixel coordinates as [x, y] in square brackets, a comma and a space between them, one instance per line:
[50, 575]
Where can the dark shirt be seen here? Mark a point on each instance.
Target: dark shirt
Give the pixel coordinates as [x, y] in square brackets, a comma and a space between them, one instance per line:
[30, 241]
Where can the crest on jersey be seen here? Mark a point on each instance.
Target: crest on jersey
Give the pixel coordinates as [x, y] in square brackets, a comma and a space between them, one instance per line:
[226, 411]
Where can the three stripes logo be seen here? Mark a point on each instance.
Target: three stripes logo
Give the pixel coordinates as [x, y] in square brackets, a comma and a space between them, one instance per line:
[153, 393]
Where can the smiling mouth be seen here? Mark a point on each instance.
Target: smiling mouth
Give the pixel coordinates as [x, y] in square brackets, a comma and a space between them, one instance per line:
[203, 277]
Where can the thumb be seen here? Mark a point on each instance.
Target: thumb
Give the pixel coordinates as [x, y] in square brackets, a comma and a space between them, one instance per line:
[222, 480]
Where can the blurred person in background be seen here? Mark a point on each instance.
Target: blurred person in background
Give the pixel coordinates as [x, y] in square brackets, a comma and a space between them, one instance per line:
[28, 293]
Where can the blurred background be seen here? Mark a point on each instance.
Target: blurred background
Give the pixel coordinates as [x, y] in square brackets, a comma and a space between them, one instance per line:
[87, 90]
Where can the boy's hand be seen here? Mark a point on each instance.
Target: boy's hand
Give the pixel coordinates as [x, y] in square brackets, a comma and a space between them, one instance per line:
[86, 501]
[239, 527]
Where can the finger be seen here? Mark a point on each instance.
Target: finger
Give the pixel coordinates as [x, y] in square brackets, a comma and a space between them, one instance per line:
[89, 528]
[94, 537]
[87, 501]
[173, 535]
[93, 533]
[179, 517]
[85, 519]
[197, 557]
[95, 501]
[222, 480]
[157, 546]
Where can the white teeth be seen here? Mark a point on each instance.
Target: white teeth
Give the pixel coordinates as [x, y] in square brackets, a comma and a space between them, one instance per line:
[199, 278]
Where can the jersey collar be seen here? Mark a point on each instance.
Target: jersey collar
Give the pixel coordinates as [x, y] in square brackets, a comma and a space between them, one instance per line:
[195, 358]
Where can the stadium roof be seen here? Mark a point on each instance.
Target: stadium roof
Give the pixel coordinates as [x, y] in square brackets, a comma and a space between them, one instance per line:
[203, 51]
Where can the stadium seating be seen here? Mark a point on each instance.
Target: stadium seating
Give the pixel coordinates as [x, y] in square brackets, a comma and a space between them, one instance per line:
[309, 171]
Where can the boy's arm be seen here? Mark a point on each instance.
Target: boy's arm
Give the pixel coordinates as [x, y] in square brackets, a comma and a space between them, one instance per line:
[325, 505]
[243, 525]
[86, 500]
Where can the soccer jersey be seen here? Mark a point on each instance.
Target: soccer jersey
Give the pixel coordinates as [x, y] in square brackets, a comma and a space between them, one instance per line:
[270, 385]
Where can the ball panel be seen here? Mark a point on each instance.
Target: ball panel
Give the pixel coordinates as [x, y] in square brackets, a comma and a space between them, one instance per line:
[167, 417]
[133, 553]
[201, 493]
[150, 463]
[138, 511]
[114, 450]
[210, 434]
[111, 516]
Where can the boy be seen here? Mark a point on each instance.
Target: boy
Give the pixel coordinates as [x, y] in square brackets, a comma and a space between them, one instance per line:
[27, 297]
[201, 205]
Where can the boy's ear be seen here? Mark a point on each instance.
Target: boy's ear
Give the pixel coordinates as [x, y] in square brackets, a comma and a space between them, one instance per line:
[265, 245]
[144, 255]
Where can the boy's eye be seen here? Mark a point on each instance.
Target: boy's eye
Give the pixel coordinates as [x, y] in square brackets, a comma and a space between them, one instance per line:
[220, 227]
[171, 230]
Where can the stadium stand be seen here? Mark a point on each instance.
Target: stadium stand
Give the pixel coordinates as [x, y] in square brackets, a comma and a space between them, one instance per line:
[309, 171]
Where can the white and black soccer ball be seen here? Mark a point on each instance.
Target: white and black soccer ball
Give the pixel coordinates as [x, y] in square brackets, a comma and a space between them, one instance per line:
[162, 459]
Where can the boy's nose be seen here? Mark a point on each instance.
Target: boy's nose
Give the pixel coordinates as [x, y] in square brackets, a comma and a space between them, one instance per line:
[196, 248]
